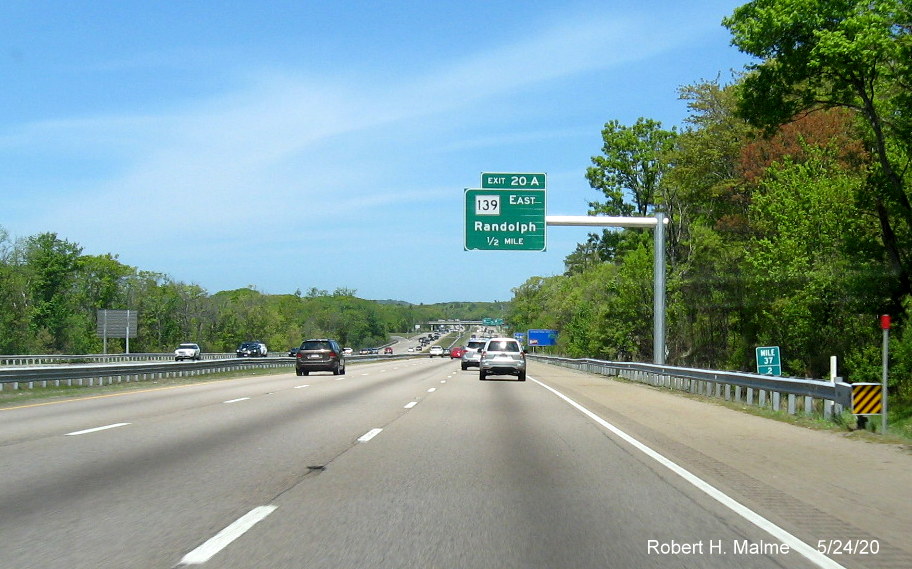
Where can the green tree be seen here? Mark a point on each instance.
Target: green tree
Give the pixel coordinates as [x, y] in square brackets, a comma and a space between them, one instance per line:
[51, 266]
[630, 175]
[633, 163]
[812, 280]
[14, 303]
[854, 54]
[709, 231]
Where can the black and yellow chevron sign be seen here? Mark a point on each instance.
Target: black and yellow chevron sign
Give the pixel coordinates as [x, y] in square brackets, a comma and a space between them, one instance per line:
[867, 398]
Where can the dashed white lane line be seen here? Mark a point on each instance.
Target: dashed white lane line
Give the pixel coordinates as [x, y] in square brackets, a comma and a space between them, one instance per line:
[301, 386]
[96, 429]
[432, 390]
[369, 435]
[410, 405]
[222, 539]
[236, 400]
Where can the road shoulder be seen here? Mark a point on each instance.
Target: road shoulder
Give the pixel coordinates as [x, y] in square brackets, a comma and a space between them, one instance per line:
[817, 484]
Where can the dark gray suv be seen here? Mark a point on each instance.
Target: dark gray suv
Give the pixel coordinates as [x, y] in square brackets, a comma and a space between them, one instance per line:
[320, 354]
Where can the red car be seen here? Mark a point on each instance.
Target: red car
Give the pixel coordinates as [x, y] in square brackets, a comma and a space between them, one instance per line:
[388, 351]
[456, 352]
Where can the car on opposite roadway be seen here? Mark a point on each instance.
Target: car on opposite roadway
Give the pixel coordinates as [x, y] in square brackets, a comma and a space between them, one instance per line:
[472, 353]
[251, 350]
[320, 354]
[388, 351]
[436, 351]
[502, 356]
[187, 352]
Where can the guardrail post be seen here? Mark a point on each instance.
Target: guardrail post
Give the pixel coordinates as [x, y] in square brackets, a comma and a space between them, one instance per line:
[776, 400]
[808, 405]
[791, 404]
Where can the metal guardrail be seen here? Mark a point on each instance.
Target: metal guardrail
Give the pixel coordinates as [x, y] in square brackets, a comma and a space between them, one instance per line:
[749, 388]
[108, 373]
[45, 359]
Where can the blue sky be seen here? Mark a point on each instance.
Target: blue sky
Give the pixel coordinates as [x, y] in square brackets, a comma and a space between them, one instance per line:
[293, 144]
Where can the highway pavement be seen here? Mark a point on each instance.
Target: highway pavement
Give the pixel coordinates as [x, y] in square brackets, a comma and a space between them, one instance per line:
[410, 463]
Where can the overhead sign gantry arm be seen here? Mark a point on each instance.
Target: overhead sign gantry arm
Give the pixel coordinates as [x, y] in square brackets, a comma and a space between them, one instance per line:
[658, 223]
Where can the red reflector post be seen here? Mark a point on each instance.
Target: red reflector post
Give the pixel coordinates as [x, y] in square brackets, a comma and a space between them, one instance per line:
[885, 321]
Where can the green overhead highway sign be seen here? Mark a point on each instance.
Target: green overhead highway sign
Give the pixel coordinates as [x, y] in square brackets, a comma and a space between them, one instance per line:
[504, 220]
[507, 181]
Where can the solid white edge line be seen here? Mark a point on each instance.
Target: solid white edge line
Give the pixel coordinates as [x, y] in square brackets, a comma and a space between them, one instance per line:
[236, 400]
[369, 435]
[806, 550]
[96, 429]
[222, 539]
[411, 404]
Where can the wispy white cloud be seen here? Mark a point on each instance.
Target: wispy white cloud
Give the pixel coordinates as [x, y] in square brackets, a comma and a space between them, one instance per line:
[291, 152]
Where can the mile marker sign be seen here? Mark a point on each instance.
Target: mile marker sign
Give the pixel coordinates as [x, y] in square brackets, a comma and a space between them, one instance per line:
[769, 361]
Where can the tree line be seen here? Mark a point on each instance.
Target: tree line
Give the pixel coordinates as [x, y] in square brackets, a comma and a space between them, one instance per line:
[50, 293]
[788, 195]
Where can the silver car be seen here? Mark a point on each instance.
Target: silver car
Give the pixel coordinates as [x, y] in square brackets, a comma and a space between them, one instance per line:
[472, 354]
[502, 356]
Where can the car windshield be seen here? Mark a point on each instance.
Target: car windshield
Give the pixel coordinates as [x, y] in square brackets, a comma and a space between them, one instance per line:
[315, 345]
[187, 346]
[503, 346]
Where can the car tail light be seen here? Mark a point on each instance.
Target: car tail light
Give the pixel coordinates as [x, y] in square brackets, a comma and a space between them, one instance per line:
[299, 355]
[332, 354]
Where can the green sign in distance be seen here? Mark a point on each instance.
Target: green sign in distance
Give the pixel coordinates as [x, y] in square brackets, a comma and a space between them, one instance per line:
[511, 181]
[768, 361]
[504, 220]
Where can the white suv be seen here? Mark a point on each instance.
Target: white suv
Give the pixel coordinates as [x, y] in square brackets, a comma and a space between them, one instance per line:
[502, 356]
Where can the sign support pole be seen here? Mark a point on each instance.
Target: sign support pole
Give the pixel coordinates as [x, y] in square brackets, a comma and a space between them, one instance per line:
[885, 325]
[658, 292]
